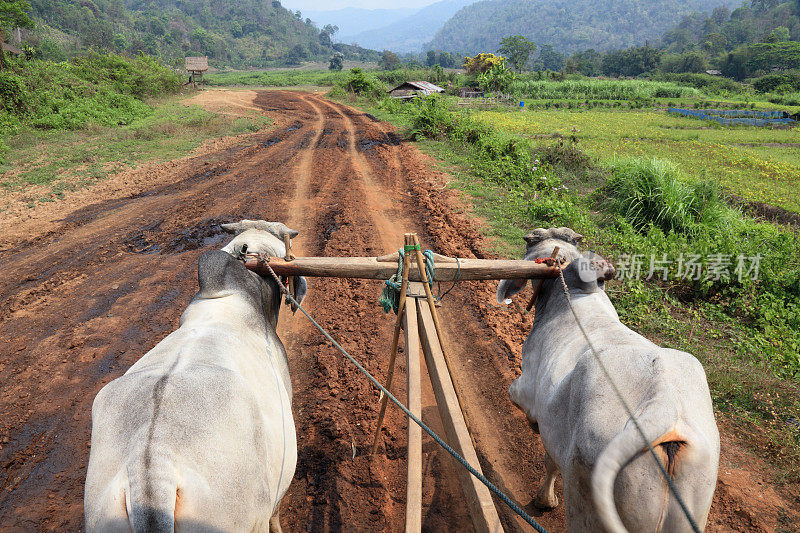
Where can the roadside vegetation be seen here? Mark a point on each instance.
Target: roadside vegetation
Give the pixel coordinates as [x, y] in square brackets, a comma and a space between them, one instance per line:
[64, 125]
[642, 212]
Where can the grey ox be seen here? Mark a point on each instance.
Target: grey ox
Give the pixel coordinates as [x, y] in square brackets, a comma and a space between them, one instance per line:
[611, 482]
[198, 435]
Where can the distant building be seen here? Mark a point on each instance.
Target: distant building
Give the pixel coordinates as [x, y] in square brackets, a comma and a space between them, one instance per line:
[412, 89]
[196, 66]
[714, 72]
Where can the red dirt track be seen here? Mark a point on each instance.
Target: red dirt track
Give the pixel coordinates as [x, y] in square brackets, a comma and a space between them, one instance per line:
[87, 290]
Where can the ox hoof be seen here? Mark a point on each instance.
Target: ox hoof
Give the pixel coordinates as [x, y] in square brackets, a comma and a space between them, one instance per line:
[545, 501]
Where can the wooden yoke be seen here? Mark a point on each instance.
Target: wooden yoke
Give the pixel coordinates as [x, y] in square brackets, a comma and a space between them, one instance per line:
[371, 268]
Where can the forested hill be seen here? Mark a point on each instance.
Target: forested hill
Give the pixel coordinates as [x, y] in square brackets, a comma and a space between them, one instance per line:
[236, 33]
[567, 25]
[723, 30]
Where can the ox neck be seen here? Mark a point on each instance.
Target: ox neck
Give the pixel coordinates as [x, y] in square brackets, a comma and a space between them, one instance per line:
[260, 314]
[552, 301]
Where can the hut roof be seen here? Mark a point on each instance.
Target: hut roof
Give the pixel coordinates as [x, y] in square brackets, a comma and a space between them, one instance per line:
[424, 86]
[197, 63]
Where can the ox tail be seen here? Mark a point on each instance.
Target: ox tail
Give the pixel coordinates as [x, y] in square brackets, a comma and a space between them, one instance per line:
[620, 451]
[151, 497]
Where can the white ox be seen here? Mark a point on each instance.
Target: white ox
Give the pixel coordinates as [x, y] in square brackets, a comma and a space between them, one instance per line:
[198, 435]
[610, 479]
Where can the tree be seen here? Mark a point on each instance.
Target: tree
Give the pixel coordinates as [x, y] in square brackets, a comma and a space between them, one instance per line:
[12, 13]
[481, 63]
[518, 50]
[296, 55]
[447, 60]
[389, 60]
[337, 61]
[550, 59]
[330, 29]
[588, 63]
[430, 58]
[778, 35]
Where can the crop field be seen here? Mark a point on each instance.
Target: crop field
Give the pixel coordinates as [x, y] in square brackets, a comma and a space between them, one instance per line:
[760, 164]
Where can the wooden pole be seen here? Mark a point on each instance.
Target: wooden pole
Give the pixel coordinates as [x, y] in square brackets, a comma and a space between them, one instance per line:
[537, 285]
[432, 304]
[370, 268]
[414, 478]
[478, 498]
[287, 245]
[400, 309]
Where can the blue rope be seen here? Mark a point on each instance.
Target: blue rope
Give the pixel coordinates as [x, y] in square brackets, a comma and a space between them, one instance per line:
[390, 296]
[497, 492]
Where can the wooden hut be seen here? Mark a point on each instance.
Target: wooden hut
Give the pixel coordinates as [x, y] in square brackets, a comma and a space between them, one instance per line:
[412, 89]
[196, 66]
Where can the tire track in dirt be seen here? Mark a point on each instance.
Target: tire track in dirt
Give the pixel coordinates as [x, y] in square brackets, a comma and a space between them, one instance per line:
[503, 472]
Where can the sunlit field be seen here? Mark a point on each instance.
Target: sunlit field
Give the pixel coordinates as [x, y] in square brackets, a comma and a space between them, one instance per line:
[760, 164]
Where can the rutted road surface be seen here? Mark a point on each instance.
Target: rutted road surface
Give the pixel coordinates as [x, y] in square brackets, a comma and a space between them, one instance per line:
[87, 293]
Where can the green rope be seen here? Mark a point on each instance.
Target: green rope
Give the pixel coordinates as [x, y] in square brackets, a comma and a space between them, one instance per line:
[390, 296]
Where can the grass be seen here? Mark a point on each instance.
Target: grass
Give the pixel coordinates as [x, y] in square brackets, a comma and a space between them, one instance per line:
[758, 173]
[66, 160]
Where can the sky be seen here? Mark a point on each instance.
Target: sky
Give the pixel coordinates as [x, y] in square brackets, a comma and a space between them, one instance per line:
[338, 4]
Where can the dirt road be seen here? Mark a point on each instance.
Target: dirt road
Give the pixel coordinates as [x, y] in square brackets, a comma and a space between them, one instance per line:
[91, 284]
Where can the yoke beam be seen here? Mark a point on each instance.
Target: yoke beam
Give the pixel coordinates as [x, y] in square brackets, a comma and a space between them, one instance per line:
[372, 268]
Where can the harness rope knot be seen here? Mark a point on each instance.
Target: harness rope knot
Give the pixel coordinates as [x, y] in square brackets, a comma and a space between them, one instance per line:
[390, 296]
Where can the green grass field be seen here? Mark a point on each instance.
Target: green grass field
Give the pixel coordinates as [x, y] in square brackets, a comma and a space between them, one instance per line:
[64, 160]
[759, 164]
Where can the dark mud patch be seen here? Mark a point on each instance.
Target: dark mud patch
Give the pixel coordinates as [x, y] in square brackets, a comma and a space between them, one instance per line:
[204, 234]
[390, 139]
[771, 213]
[140, 241]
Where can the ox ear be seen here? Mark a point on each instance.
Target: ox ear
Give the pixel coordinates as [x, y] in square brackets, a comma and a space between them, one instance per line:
[591, 270]
[508, 288]
[279, 229]
[300, 288]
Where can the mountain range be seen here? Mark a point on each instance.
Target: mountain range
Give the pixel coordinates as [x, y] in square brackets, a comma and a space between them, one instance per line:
[354, 20]
[409, 33]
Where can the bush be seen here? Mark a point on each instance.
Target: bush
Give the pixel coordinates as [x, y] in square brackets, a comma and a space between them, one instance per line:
[363, 85]
[103, 89]
[12, 97]
[780, 83]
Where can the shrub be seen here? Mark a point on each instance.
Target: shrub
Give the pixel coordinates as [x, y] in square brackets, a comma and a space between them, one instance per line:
[12, 97]
[363, 85]
[780, 83]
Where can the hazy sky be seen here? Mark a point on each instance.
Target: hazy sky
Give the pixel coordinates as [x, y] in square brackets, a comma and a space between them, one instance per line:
[366, 4]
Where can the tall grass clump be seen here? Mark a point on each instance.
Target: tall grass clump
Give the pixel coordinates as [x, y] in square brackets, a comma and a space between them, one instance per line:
[651, 191]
